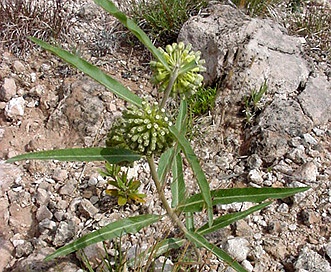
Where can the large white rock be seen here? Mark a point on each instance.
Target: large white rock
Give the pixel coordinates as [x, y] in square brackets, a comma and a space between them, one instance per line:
[15, 108]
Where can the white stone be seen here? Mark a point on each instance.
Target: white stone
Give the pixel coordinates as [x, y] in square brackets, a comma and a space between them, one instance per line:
[15, 108]
[255, 176]
[8, 89]
[238, 248]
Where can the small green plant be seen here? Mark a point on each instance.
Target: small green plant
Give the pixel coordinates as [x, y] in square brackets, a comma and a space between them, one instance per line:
[126, 189]
[162, 19]
[146, 132]
[202, 101]
[253, 103]
[313, 23]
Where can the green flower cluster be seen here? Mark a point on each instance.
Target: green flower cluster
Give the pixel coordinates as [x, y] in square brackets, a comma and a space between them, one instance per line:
[142, 129]
[177, 57]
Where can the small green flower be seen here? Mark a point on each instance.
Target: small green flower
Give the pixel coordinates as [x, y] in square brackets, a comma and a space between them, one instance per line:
[144, 130]
[178, 55]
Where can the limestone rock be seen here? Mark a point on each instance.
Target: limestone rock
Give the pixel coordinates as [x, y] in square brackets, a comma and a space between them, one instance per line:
[8, 89]
[64, 233]
[15, 108]
[316, 99]
[311, 261]
[6, 251]
[238, 248]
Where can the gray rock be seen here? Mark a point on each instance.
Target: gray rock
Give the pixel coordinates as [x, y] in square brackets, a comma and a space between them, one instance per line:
[247, 265]
[316, 99]
[43, 213]
[6, 252]
[254, 161]
[94, 253]
[328, 250]
[60, 175]
[311, 261]
[23, 249]
[47, 224]
[297, 154]
[64, 233]
[255, 176]
[87, 208]
[8, 89]
[42, 197]
[18, 66]
[309, 139]
[269, 52]
[68, 188]
[15, 108]
[307, 172]
[238, 248]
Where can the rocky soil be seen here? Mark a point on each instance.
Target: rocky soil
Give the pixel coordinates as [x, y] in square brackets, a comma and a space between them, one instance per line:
[45, 104]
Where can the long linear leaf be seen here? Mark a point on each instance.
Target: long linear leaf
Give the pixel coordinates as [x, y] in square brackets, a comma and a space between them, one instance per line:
[199, 174]
[112, 155]
[129, 225]
[178, 190]
[166, 159]
[228, 219]
[165, 163]
[110, 7]
[226, 196]
[93, 71]
[200, 241]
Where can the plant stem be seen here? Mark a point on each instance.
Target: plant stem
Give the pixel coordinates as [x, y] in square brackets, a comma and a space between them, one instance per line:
[173, 216]
[172, 80]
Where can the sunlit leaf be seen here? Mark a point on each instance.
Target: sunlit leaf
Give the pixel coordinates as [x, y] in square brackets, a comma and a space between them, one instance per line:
[117, 229]
[197, 170]
[112, 155]
[226, 196]
[93, 71]
[228, 219]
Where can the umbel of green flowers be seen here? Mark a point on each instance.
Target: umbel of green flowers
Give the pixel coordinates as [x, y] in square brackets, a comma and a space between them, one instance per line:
[142, 129]
[177, 57]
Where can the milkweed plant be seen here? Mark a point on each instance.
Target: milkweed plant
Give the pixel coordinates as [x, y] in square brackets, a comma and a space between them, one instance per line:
[145, 131]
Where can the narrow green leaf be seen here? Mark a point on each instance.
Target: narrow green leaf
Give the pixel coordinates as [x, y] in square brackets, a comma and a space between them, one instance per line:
[228, 219]
[110, 7]
[200, 175]
[226, 196]
[182, 117]
[178, 190]
[93, 71]
[165, 163]
[166, 159]
[187, 67]
[117, 229]
[200, 241]
[112, 155]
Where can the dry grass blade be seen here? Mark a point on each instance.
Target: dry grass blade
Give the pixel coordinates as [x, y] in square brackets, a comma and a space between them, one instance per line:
[23, 18]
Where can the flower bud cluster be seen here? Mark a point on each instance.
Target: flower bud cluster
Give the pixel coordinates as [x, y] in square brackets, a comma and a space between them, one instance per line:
[144, 130]
[178, 55]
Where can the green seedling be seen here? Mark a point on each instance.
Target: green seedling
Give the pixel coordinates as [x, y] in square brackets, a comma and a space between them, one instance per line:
[254, 103]
[126, 189]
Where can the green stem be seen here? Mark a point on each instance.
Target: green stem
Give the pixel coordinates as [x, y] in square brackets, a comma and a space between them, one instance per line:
[173, 216]
[172, 80]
